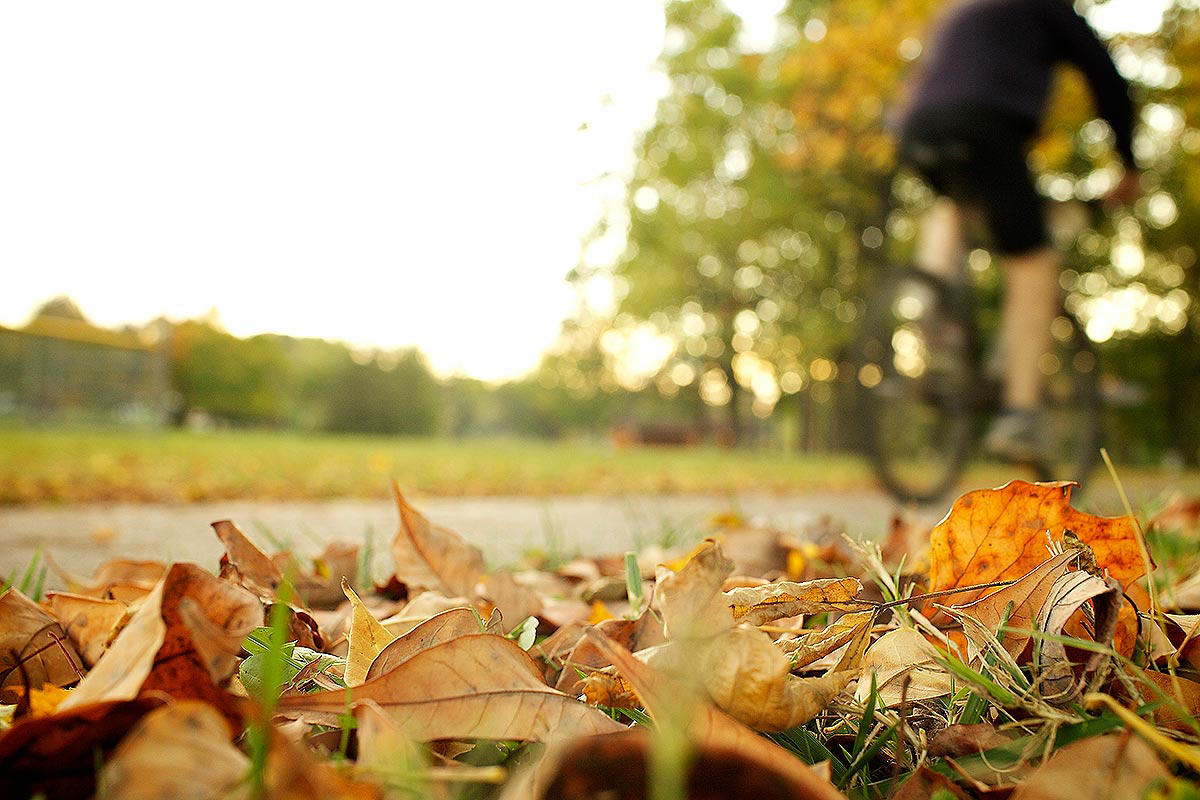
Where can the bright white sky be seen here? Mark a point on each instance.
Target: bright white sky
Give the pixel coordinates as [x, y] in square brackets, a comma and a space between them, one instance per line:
[381, 173]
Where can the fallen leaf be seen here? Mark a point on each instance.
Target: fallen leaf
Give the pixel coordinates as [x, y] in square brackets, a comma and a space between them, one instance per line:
[117, 572]
[34, 649]
[960, 740]
[177, 751]
[999, 534]
[708, 727]
[90, 622]
[749, 678]
[437, 629]
[690, 599]
[1099, 768]
[760, 605]
[293, 774]
[367, 637]
[1026, 595]
[322, 586]
[1058, 681]
[632, 634]
[472, 687]
[617, 765]
[55, 757]
[516, 602]
[157, 650]
[244, 563]
[895, 656]
[1184, 693]
[419, 609]
[432, 557]
[812, 646]
[925, 784]
[741, 669]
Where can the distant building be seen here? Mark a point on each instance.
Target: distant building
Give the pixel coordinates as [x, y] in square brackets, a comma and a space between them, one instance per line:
[60, 368]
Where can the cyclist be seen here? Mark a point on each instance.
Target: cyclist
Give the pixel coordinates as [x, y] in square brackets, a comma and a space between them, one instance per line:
[977, 99]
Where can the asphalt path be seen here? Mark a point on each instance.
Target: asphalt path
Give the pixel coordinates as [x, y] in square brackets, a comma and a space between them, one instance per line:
[79, 538]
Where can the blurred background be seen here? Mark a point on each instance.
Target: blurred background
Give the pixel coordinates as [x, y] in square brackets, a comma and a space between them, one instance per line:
[293, 250]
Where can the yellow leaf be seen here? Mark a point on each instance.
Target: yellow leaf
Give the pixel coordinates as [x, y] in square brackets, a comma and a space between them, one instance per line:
[599, 613]
[366, 640]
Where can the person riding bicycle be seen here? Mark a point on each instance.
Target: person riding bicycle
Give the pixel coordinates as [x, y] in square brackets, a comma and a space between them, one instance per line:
[978, 98]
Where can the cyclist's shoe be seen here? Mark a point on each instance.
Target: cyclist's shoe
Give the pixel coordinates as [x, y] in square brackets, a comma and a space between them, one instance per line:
[1017, 436]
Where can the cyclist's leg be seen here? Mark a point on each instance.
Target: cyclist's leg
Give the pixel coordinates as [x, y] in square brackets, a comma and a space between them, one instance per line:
[941, 240]
[1030, 267]
[1028, 311]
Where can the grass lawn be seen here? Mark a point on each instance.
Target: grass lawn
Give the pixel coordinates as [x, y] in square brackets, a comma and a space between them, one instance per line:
[55, 466]
[49, 466]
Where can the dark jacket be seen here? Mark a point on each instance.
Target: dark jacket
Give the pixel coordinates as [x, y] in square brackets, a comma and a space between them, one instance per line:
[1000, 55]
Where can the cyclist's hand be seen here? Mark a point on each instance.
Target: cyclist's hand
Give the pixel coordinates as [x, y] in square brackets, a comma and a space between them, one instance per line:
[1127, 190]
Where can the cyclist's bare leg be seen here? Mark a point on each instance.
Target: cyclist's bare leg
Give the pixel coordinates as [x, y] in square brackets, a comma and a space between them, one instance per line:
[1029, 308]
[941, 240]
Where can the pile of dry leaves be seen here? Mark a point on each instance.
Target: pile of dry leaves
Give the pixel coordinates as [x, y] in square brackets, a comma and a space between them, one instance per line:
[1017, 649]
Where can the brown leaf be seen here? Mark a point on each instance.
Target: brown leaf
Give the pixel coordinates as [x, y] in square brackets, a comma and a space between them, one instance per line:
[815, 645]
[437, 629]
[91, 622]
[706, 726]
[617, 765]
[749, 678]
[322, 587]
[760, 605]
[898, 655]
[157, 650]
[118, 572]
[177, 751]
[32, 640]
[432, 557]
[472, 687]
[244, 563]
[1183, 692]
[1000, 534]
[367, 638]
[691, 601]
[1027, 596]
[516, 602]
[632, 634]
[925, 783]
[960, 740]
[1059, 683]
[1100, 768]
[55, 756]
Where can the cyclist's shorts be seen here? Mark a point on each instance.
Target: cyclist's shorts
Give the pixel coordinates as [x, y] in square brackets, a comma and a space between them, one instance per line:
[977, 157]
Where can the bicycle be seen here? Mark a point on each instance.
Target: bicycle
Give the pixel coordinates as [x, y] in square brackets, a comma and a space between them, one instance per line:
[927, 381]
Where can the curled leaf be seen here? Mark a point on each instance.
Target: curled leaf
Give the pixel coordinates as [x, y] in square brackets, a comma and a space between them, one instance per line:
[1058, 680]
[432, 557]
[759, 605]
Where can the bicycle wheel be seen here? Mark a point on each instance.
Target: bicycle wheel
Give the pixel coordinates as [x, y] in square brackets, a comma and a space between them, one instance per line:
[1072, 402]
[917, 384]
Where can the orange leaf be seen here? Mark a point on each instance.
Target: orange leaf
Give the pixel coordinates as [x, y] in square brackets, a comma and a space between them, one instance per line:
[1000, 534]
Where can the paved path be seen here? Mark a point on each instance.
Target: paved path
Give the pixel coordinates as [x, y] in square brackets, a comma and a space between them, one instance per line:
[81, 537]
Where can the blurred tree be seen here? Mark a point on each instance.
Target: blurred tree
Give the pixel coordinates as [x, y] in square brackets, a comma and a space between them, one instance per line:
[238, 380]
[384, 392]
